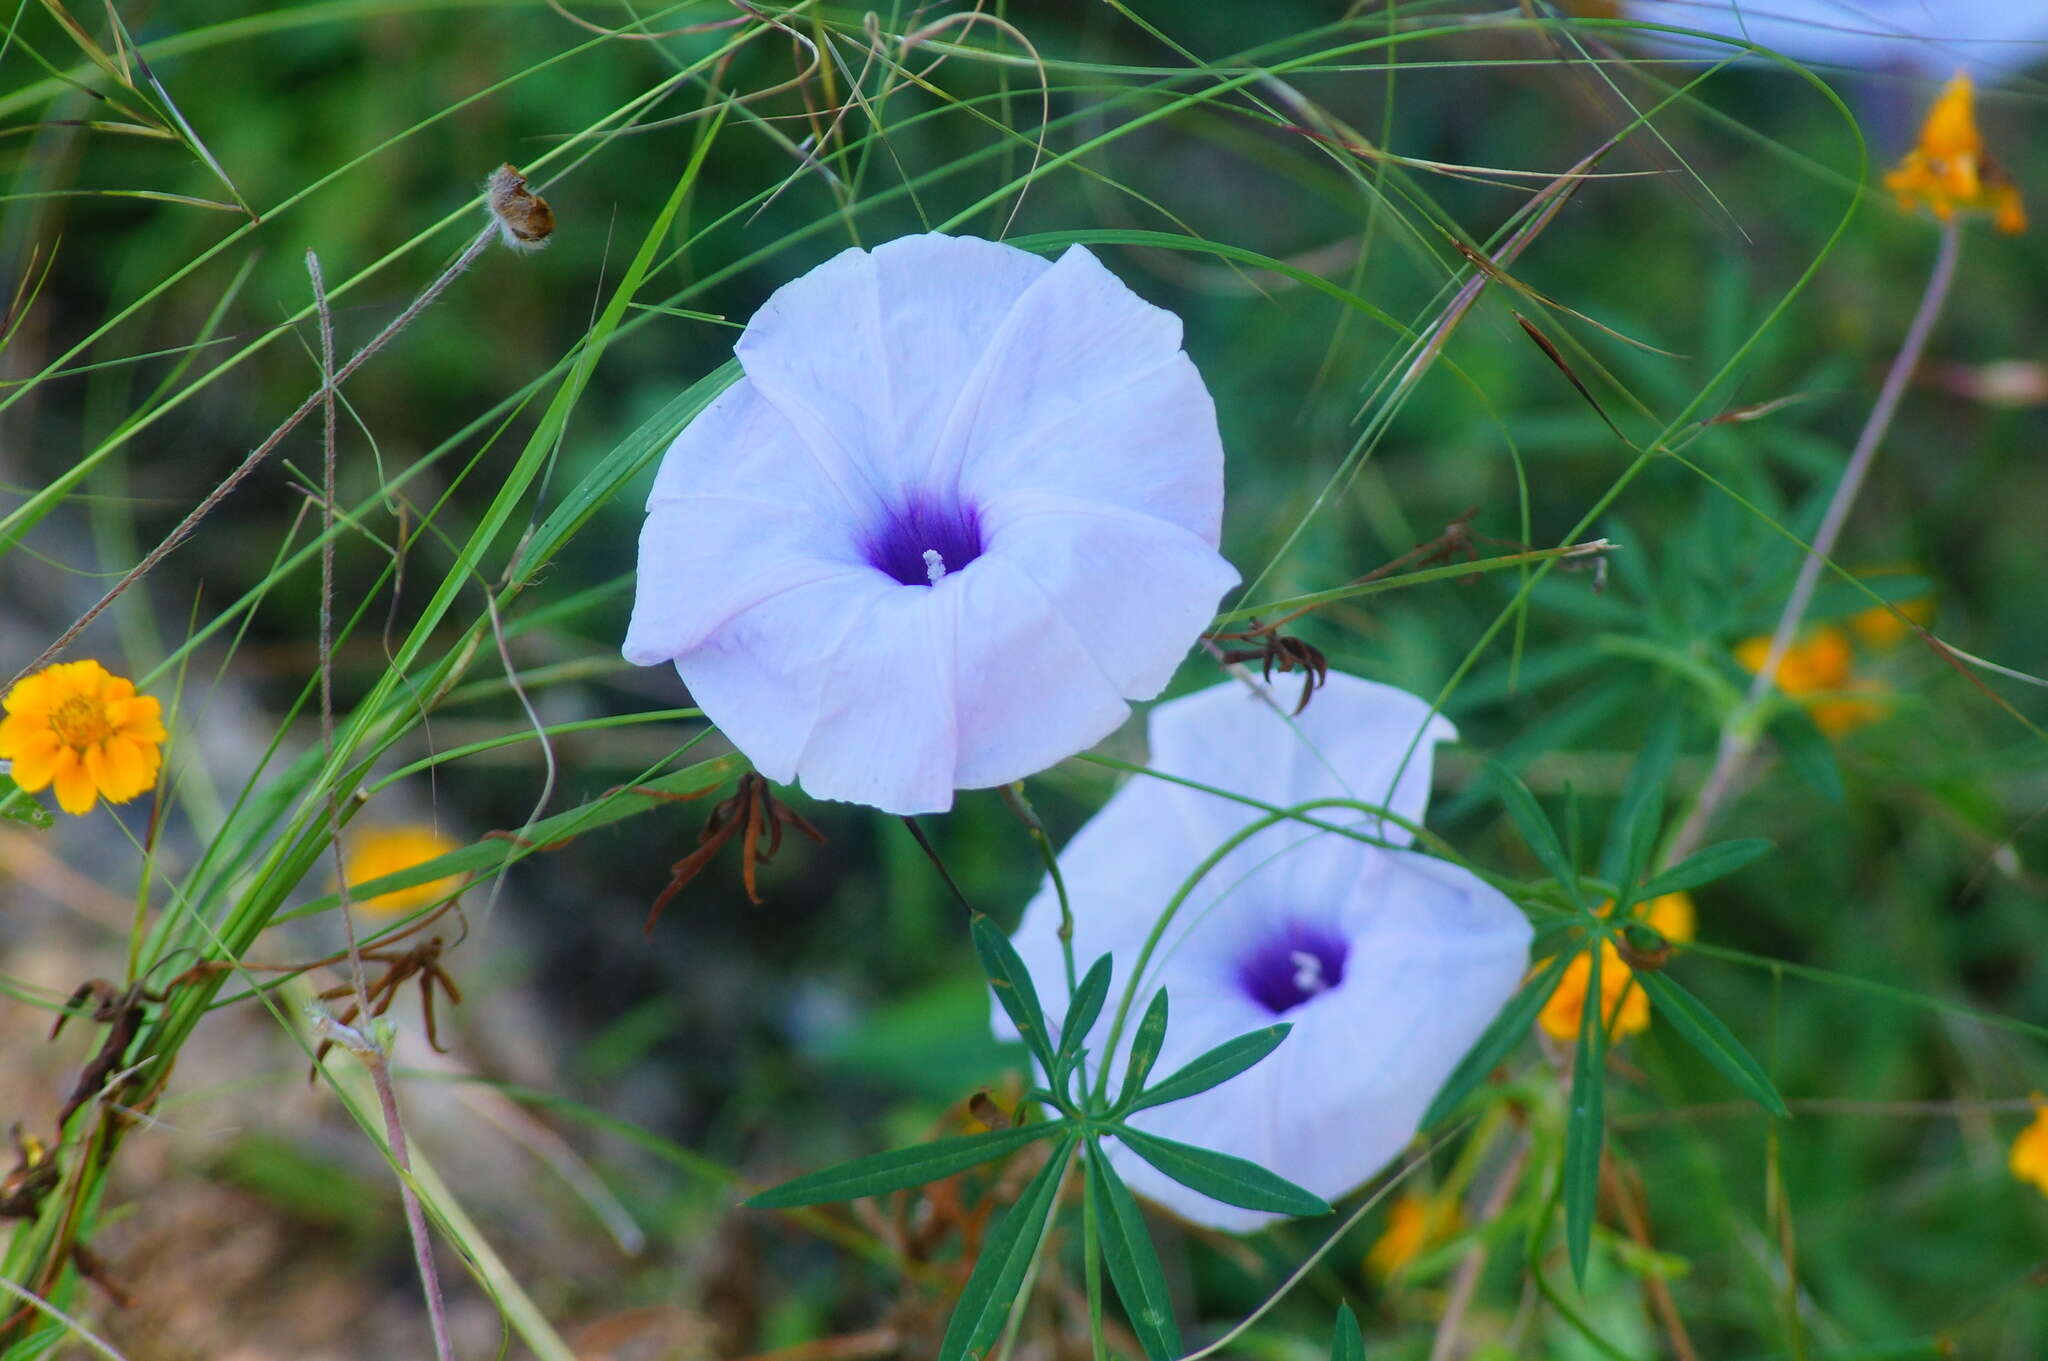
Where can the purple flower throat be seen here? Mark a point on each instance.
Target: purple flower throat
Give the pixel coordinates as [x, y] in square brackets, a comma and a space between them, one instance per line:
[926, 537]
[1295, 964]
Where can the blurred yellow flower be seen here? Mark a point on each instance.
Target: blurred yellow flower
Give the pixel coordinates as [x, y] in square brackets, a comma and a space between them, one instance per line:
[1820, 669]
[2029, 1157]
[1878, 627]
[1622, 1001]
[85, 730]
[1415, 1222]
[378, 851]
[1948, 169]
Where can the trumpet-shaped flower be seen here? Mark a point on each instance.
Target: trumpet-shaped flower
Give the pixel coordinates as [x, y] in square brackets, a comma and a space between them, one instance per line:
[1387, 963]
[377, 851]
[1947, 170]
[1988, 36]
[83, 729]
[963, 506]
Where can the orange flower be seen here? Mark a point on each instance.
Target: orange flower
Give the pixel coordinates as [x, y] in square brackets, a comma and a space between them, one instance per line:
[1819, 669]
[85, 730]
[1948, 169]
[1878, 627]
[379, 851]
[1622, 1000]
[1415, 1223]
[2029, 1156]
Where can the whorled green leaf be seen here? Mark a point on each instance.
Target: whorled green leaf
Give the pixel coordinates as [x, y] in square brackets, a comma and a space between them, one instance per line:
[1715, 862]
[1534, 826]
[1632, 831]
[1221, 1176]
[18, 805]
[1005, 1257]
[1348, 1342]
[1133, 1264]
[1219, 1065]
[1585, 1127]
[1013, 988]
[899, 1168]
[1145, 1047]
[1704, 1031]
[1498, 1040]
[1089, 995]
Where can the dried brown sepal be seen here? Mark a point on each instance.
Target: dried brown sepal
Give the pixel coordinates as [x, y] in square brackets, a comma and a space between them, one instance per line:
[121, 1010]
[1272, 650]
[753, 815]
[525, 222]
[422, 961]
[1643, 948]
[983, 1109]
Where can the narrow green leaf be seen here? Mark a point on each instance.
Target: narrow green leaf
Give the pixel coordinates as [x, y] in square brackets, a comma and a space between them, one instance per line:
[17, 805]
[1809, 753]
[1133, 1264]
[1219, 1065]
[1716, 1043]
[1534, 826]
[1633, 829]
[1222, 1177]
[899, 1168]
[1013, 988]
[1499, 1040]
[1145, 1046]
[1005, 1257]
[1348, 1342]
[1086, 1005]
[1715, 862]
[1585, 1118]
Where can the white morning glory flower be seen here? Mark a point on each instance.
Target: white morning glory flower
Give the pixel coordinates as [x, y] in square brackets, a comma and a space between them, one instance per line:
[963, 506]
[1388, 963]
[1988, 37]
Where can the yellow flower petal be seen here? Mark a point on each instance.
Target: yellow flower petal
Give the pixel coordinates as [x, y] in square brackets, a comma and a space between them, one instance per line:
[1672, 915]
[75, 792]
[2029, 1157]
[34, 766]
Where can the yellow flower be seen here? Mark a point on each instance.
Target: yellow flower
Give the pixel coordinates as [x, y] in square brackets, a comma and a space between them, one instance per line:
[1948, 169]
[379, 851]
[1622, 1000]
[1878, 627]
[2029, 1157]
[1625, 1004]
[85, 730]
[1415, 1222]
[1819, 669]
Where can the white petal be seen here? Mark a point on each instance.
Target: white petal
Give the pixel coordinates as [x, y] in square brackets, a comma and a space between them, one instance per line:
[871, 351]
[841, 685]
[1357, 739]
[1086, 392]
[1137, 591]
[1026, 692]
[742, 509]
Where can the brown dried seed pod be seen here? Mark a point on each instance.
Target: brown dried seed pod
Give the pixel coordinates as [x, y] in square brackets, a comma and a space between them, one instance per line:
[525, 222]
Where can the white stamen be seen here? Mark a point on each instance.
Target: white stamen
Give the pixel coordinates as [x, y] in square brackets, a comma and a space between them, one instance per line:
[934, 565]
[1308, 972]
